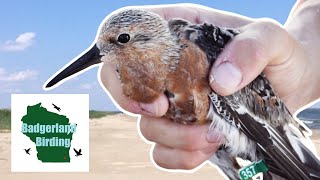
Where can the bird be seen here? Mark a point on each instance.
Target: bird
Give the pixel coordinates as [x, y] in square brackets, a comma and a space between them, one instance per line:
[56, 107]
[27, 151]
[78, 153]
[153, 56]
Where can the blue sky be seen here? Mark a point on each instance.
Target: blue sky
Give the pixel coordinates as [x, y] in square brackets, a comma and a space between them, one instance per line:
[38, 37]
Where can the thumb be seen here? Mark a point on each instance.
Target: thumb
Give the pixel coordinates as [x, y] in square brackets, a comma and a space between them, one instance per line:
[259, 44]
[157, 108]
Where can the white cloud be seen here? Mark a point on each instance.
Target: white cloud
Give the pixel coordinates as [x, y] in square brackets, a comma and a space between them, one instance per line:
[22, 42]
[17, 76]
[88, 85]
[11, 90]
[2, 72]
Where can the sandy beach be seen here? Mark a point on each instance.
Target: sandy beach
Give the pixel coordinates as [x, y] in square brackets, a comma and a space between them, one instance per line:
[116, 152]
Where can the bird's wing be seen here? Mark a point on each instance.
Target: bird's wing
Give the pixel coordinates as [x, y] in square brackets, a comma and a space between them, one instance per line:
[278, 152]
[75, 150]
[211, 39]
[260, 115]
[265, 104]
[288, 148]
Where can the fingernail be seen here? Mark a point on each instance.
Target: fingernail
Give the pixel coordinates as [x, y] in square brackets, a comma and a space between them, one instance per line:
[227, 75]
[151, 108]
[214, 136]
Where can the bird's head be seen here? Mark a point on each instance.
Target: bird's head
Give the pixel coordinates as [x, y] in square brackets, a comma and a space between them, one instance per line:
[130, 32]
[141, 47]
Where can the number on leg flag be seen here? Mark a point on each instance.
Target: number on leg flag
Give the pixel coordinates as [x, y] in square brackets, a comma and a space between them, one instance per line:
[253, 169]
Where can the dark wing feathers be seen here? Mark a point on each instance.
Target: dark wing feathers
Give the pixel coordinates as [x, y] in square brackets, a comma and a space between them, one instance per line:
[208, 37]
[259, 99]
[212, 39]
[312, 162]
[276, 116]
[276, 150]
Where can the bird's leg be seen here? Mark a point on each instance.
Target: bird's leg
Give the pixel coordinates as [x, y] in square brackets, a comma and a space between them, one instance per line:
[228, 165]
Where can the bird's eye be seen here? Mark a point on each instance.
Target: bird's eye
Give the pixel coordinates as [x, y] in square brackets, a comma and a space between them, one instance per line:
[124, 38]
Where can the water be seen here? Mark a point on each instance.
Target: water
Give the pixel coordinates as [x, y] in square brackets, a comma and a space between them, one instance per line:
[310, 117]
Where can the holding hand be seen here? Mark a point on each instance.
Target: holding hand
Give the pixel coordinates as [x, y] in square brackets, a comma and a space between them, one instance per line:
[262, 45]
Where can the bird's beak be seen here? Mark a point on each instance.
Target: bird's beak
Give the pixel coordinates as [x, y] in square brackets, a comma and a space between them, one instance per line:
[88, 59]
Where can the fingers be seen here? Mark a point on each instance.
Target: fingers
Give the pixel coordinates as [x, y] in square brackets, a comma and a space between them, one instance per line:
[179, 146]
[198, 14]
[259, 44]
[168, 133]
[112, 83]
[171, 158]
[157, 108]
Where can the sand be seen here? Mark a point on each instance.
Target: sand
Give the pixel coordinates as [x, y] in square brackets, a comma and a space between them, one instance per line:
[116, 153]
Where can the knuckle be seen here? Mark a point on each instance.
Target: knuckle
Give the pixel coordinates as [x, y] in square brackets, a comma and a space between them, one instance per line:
[247, 41]
[267, 23]
[191, 162]
[253, 46]
[183, 159]
[272, 33]
[159, 159]
[156, 156]
[270, 27]
[144, 128]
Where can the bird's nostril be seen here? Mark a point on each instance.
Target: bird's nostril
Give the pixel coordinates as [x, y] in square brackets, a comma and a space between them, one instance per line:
[169, 94]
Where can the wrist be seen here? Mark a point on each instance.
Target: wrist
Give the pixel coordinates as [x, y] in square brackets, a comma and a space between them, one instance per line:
[303, 4]
[304, 26]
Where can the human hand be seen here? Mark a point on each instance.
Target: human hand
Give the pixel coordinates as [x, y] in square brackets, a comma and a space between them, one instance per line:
[304, 26]
[253, 50]
[288, 56]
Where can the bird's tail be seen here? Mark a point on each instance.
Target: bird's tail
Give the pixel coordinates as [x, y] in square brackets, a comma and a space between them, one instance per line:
[291, 156]
[303, 146]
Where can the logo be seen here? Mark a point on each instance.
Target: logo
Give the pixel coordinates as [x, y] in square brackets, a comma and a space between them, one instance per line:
[50, 133]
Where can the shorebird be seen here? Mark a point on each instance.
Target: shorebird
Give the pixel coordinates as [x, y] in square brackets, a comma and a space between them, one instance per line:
[27, 151]
[56, 107]
[78, 153]
[153, 57]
